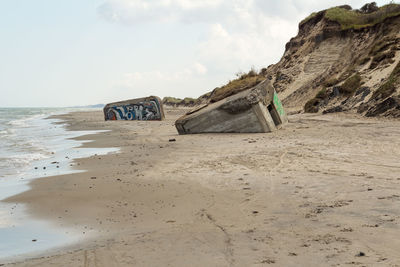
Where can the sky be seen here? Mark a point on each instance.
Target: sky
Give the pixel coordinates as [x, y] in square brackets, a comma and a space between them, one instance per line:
[82, 52]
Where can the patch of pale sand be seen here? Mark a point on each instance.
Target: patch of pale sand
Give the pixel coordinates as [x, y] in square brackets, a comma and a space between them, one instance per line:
[315, 64]
[377, 77]
[317, 192]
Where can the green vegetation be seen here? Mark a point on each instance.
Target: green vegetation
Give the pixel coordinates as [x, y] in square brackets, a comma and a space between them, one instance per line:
[205, 96]
[355, 19]
[383, 45]
[347, 73]
[245, 81]
[312, 105]
[322, 94]
[389, 86]
[358, 19]
[380, 57]
[351, 85]
[331, 82]
[173, 101]
[189, 100]
[312, 15]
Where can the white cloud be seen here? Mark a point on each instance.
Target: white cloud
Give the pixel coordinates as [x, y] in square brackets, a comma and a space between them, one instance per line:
[210, 11]
[136, 11]
[133, 78]
[199, 68]
[239, 33]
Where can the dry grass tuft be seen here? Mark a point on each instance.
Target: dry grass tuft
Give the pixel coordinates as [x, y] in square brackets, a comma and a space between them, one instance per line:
[244, 81]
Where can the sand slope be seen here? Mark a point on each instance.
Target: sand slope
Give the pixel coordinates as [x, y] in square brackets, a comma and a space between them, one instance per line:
[316, 193]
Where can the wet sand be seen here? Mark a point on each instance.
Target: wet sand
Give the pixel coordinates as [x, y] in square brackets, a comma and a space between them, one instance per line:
[323, 191]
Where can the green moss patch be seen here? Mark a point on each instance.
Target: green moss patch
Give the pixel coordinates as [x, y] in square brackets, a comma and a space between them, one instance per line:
[312, 105]
[351, 85]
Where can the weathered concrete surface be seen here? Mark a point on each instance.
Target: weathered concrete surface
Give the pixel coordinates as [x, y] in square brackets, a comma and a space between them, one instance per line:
[146, 108]
[255, 110]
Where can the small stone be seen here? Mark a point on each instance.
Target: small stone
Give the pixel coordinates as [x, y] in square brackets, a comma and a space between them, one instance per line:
[360, 254]
[34, 240]
[172, 140]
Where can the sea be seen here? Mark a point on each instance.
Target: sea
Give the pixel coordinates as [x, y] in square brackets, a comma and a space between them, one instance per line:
[34, 145]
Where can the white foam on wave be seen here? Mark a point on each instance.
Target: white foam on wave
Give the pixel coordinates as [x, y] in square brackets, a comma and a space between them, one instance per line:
[37, 148]
[7, 132]
[24, 139]
[24, 122]
[25, 158]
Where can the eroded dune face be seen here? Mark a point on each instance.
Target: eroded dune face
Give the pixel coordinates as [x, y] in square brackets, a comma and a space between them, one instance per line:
[323, 56]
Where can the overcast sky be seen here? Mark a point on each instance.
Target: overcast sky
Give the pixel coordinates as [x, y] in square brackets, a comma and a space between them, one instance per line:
[79, 52]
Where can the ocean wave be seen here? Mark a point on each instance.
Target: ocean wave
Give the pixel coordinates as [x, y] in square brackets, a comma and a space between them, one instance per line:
[17, 164]
[7, 132]
[25, 137]
[23, 159]
[24, 122]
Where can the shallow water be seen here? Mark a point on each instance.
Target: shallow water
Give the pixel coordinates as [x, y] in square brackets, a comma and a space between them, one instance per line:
[25, 136]
[32, 146]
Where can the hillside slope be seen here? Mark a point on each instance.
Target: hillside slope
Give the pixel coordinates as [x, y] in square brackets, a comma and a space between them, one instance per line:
[333, 65]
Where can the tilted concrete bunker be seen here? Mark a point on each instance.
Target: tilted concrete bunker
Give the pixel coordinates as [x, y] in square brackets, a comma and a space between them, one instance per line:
[144, 109]
[255, 110]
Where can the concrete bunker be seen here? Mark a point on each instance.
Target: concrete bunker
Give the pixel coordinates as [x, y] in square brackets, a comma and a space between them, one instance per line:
[255, 110]
[143, 109]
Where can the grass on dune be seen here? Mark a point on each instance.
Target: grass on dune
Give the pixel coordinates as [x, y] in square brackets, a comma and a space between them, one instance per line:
[355, 19]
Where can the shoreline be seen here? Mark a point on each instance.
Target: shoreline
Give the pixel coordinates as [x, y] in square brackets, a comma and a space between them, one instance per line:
[18, 227]
[309, 193]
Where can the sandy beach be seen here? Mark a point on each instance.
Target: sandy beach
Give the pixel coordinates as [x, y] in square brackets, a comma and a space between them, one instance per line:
[323, 191]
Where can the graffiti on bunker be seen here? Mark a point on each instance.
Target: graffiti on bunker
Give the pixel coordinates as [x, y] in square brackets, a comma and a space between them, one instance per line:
[143, 111]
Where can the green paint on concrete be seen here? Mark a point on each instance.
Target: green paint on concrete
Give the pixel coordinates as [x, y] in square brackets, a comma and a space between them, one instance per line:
[278, 105]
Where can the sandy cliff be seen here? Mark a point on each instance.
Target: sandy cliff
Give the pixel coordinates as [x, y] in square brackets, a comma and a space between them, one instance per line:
[338, 62]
